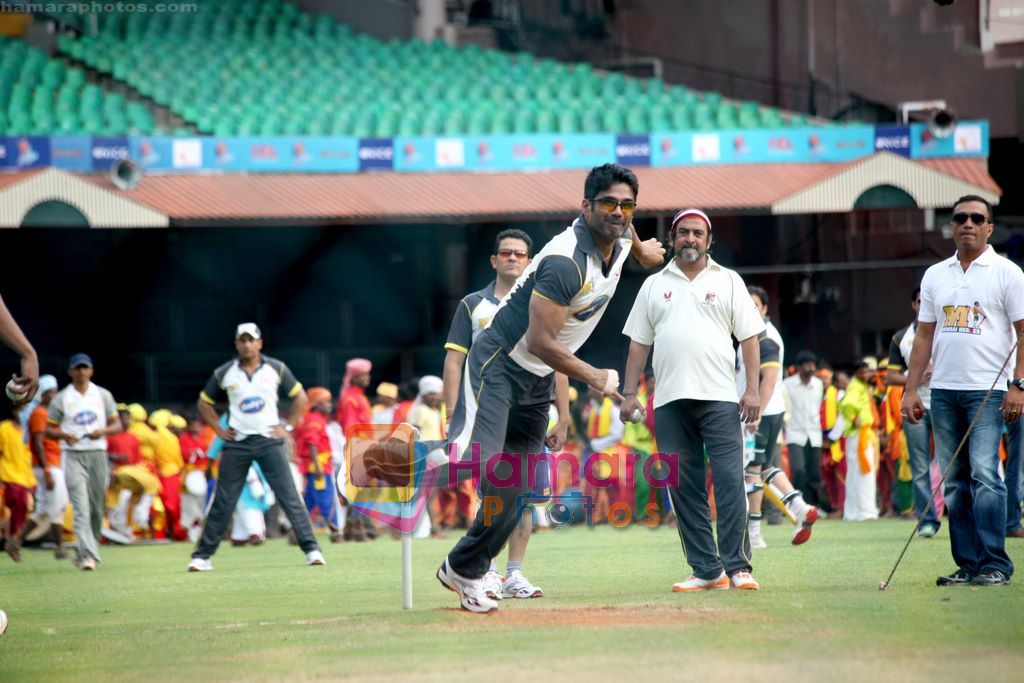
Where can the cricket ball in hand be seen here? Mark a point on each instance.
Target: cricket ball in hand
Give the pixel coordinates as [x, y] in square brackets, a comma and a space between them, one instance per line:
[12, 391]
[637, 415]
[918, 413]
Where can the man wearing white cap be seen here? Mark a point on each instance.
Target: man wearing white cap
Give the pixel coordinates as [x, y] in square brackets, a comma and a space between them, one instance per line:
[689, 312]
[252, 384]
[82, 415]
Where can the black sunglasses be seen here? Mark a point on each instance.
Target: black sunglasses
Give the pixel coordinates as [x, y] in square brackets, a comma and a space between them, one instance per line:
[976, 218]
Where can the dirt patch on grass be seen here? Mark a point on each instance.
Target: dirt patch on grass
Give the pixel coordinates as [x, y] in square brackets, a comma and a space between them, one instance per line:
[607, 616]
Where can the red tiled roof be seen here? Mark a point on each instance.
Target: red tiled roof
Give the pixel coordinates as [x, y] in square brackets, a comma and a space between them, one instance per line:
[371, 197]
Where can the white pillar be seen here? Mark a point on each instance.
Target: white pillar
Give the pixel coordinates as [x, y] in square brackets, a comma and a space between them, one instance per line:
[430, 20]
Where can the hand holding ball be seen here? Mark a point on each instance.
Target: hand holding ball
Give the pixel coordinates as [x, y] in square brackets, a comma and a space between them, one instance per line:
[918, 413]
[14, 393]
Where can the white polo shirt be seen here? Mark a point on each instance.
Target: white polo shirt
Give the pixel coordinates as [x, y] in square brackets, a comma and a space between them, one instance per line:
[805, 410]
[82, 414]
[252, 399]
[691, 324]
[973, 313]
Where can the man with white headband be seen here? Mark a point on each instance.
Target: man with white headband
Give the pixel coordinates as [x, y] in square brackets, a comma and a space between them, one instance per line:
[689, 312]
[509, 377]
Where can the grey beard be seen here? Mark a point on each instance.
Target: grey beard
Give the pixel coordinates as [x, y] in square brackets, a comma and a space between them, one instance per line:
[690, 255]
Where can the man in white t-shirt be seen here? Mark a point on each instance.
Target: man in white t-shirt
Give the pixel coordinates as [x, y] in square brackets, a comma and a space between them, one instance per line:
[83, 415]
[689, 312]
[803, 431]
[972, 311]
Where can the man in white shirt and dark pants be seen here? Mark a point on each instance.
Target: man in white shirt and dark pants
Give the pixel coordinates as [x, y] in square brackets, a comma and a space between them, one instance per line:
[83, 415]
[689, 312]
[252, 384]
[972, 311]
[803, 432]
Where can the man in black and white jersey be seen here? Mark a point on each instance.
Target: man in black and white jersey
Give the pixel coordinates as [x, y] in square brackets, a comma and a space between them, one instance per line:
[510, 370]
[252, 384]
[512, 250]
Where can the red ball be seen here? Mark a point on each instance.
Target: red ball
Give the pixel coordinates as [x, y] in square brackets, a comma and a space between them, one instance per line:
[918, 413]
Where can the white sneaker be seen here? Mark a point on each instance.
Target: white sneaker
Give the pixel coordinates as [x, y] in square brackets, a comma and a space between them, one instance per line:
[516, 585]
[757, 541]
[721, 582]
[87, 564]
[200, 564]
[745, 582]
[315, 558]
[471, 591]
[492, 585]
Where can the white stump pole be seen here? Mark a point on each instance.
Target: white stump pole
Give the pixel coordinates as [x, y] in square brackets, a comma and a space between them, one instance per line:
[407, 570]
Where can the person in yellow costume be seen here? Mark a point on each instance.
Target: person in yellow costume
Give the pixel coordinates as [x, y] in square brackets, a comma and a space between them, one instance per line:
[856, 421]
[16, 479]
[169, 464]
[144, 433]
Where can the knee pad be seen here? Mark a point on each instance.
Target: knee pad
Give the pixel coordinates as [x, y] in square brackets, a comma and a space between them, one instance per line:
[770, 474]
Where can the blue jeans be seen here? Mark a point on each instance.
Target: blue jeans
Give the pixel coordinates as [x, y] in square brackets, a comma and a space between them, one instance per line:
[920, 447]
[1014, 462]
[975, 494]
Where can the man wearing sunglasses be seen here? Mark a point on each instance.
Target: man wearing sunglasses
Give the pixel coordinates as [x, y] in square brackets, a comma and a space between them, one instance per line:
[511, 257]
[506, 390]
[972, 312]
[919, 434]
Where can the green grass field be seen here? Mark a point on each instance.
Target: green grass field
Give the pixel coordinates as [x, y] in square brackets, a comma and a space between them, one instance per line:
[609, 614]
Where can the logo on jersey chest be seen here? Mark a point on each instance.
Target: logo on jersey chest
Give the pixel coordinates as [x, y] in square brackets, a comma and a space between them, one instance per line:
[85, 418]
[964, 319]
[588, 312]
[252, 404]
[709, 299]
[668, 295]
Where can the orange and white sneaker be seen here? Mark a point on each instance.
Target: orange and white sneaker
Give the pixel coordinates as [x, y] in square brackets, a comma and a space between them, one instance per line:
[719, 583]
[745, 582]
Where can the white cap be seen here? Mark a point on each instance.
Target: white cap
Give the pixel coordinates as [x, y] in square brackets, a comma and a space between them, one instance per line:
[46, 383]
[687, 213]
[251, 329]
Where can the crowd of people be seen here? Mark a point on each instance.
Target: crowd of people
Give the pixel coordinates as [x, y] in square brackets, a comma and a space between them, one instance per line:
[786, 439]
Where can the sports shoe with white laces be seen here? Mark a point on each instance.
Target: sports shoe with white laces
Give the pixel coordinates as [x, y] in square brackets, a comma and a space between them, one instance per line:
[516, 585]
[315, 558]
[757, 541]
[492, 584]
[721, 583]
[470, 591]
[745, 582]
[200, 564]
[804, 520]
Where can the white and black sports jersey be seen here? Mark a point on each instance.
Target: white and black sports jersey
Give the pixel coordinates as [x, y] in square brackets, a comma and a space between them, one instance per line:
[569, 271]
[772, 352]
[252, 399]
[474, 314]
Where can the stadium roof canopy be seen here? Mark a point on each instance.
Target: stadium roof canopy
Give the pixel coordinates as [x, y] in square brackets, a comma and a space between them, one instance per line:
[364, 198]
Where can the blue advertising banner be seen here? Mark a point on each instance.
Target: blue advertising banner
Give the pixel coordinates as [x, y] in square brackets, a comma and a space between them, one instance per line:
[633, 150]
[895, 139]
[107, 151]
[21, 153]
[153, 154]
[528, 152]
[304, 154]
[968, 139]
[376, 154]
[414, 154]
[72, 153]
